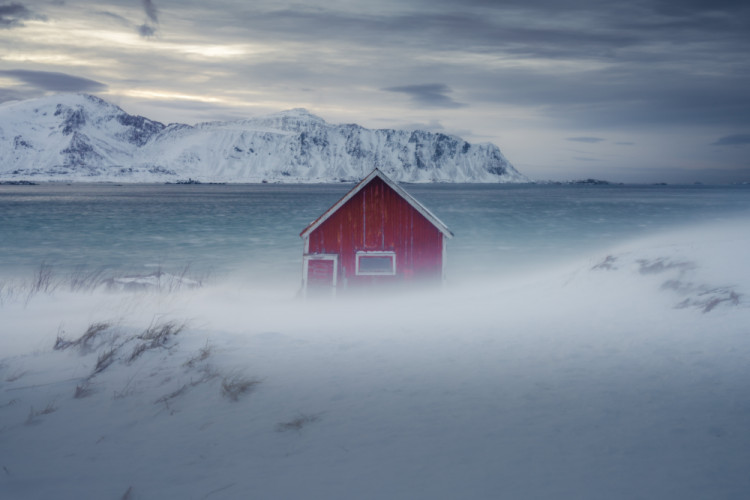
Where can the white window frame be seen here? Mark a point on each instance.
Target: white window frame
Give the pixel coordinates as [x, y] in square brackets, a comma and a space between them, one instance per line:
[362, 253]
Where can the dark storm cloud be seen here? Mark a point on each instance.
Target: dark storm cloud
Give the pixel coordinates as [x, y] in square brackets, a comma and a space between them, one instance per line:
[151, 11]
[687, 7]
[649, 62]
[53, 81]
[638, 31]
[146, 31]
[116, 17]
[534, 28]
[12, 15]
[431, 95]
[432, 126]
[586, 158]
[581, 63]
[591, 140]
[624, 95]
[431, 29]
[732, 140]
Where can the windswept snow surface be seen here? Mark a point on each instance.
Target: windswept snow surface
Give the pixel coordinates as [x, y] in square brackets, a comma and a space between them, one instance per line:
[623, 375]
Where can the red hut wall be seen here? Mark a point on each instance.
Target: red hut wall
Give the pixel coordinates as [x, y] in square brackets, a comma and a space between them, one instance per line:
[379, 219]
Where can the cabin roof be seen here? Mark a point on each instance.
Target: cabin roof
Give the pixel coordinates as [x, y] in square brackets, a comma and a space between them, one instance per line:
[364, 182]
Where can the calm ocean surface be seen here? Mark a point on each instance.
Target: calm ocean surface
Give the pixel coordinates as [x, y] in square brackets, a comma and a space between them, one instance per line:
[251, 232]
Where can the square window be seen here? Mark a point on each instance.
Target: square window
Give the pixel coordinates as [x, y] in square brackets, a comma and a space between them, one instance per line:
[376, 263]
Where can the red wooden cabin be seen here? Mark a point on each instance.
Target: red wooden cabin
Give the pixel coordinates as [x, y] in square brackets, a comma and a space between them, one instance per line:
[376, 234]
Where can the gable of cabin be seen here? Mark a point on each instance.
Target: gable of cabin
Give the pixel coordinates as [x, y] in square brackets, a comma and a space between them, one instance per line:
[377, 222]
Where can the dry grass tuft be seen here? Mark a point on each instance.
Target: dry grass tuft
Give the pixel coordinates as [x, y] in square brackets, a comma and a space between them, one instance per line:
[41, 282]
[105, 359]
[84, 341]
[159, 333]
[172, 395]
[155, 336]
[137, 351]
[202, 355]
[83, 390]
[50, 408]
[128, 495]
[234, 386]
[297, 423]
[82, 279]
[92, 331]
[47, 280]
[15, 375]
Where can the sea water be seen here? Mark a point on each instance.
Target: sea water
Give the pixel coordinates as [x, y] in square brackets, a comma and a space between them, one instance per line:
[251, 232]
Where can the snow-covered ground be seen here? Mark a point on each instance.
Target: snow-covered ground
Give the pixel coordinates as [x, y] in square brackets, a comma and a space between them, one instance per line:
[623, 375]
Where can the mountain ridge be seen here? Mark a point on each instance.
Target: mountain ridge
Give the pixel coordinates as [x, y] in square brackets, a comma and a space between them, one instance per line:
[81, 137]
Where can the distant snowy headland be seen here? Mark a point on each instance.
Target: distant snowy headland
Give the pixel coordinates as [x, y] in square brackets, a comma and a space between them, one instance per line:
[79, 137]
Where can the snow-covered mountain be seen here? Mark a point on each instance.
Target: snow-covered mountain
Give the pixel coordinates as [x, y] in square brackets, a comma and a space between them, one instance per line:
[79, 137]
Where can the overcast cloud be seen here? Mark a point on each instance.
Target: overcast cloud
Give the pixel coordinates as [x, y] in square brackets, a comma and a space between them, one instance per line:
[428, 95]
[669, 81]
[151, 12]
[590, 140]
[12, 15]
[54, 81]
[733, 140]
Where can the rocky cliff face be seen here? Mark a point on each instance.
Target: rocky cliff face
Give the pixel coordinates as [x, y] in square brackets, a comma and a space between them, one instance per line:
[82, 137]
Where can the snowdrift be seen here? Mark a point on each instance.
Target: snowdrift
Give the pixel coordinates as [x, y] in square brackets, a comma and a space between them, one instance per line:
[622, 375]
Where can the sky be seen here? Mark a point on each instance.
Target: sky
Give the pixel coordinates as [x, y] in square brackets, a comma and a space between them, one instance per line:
[637, 91]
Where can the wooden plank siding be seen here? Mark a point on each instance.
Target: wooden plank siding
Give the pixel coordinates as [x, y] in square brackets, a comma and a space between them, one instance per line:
[377, 218]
